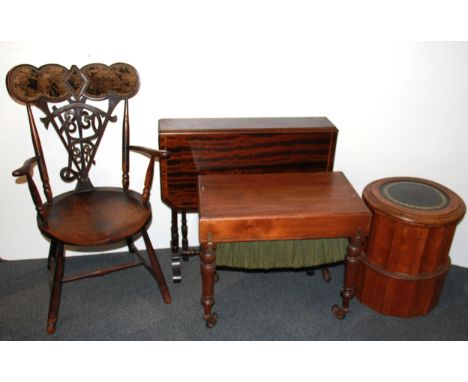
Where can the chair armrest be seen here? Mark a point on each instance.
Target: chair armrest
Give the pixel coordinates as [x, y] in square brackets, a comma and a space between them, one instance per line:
[26, 168]
[154, 154]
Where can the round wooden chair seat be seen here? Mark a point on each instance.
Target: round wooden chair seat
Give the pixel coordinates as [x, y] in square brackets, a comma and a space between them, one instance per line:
[101, 216]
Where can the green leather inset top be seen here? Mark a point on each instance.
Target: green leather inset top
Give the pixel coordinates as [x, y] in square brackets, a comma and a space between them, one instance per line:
[416, 195]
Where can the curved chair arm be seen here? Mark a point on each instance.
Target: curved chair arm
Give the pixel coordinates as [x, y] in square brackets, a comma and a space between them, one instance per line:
[154, 154]
[26, 170]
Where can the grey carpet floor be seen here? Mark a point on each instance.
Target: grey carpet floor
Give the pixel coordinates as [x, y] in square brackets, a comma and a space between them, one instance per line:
[277, 305]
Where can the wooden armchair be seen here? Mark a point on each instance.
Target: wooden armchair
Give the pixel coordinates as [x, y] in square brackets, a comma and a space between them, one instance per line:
[88, 216]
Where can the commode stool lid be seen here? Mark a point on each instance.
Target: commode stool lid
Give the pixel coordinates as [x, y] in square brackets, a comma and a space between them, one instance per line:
[414, 200]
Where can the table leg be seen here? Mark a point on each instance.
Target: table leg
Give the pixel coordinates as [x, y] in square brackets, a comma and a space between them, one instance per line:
[187, 251]
[351, 263]
[175, 253]
[184, 229]
[208, 270]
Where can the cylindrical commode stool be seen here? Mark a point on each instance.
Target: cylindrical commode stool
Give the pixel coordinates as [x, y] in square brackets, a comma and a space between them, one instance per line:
[402, 271]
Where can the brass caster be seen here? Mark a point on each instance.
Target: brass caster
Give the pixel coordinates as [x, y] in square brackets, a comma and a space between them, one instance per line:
[338, 312]
[211, 320]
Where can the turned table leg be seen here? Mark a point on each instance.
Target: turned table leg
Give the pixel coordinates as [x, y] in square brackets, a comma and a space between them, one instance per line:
[351, 264]
[175, 253]
[184, 230]
[208, 271]
[187, 251]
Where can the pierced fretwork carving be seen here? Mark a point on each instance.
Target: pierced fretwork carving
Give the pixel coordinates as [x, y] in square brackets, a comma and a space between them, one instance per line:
[80, 127]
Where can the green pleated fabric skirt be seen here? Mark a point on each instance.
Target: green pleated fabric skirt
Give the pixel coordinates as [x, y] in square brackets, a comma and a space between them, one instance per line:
[281, 253]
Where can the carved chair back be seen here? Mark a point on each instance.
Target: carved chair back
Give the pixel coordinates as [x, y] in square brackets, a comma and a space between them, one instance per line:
[67, 99]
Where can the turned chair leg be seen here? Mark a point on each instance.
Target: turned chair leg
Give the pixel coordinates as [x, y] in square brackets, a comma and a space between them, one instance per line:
[56, 291]
[156, 269]
[52, 252]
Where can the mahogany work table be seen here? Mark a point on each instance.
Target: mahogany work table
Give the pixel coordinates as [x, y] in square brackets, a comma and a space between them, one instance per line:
[282, 206]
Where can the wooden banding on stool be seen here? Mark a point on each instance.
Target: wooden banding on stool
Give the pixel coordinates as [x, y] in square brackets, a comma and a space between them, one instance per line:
[407, 259]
